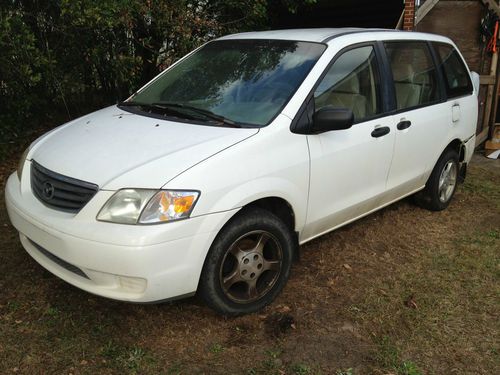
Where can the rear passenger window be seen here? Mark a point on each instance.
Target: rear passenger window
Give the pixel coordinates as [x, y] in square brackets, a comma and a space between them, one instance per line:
[414, 73]
[456, 75]
[351, 82]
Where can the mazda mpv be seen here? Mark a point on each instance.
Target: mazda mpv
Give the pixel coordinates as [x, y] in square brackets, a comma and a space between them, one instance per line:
[209, 177]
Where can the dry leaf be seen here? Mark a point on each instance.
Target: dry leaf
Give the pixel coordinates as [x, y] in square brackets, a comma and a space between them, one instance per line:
[410, 302]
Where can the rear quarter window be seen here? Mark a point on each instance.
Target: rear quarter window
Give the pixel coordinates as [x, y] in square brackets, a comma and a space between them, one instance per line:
[455, 73]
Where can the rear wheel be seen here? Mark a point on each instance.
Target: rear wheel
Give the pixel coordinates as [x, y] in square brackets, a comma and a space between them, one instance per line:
[442, 183]
[248, 263]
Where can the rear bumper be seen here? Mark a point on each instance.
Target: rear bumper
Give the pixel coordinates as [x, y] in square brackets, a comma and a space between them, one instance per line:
[133, 263]
[468, 151]
[469, 145]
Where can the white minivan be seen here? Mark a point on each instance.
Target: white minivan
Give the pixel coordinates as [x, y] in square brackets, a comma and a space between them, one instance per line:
[209, 178]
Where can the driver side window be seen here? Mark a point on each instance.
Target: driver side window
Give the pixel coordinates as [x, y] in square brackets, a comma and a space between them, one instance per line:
[352, 82]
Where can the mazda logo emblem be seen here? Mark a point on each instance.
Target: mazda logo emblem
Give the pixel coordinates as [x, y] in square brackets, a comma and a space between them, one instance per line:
[48, 190]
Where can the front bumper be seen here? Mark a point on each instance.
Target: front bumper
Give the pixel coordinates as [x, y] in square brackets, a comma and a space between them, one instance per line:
[125, 262]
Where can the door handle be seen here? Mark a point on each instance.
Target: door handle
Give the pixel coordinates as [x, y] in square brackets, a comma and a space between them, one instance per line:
[455, 112]
[380, 132]
[404, 125]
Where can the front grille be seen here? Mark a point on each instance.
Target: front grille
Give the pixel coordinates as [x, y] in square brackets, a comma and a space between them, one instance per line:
[60, 192]
[59, 261]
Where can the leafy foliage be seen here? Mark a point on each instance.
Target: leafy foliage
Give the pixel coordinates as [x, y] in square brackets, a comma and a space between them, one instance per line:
[67, 57]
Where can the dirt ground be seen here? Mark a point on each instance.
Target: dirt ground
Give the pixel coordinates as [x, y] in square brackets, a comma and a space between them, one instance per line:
[402, 291]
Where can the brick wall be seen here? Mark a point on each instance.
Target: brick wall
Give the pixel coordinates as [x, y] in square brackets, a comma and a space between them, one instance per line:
[409, 16]
[459, 20]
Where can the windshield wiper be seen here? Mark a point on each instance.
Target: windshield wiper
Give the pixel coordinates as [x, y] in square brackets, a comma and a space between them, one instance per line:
[178, 109]
[204, 112]
[154, 106]
[131, 103]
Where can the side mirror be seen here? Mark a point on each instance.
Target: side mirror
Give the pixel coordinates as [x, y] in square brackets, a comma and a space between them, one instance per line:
[330, 118]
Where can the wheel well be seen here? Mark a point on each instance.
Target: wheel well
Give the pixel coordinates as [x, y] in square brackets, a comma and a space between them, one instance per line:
[277, 206]
[459, 147]
[283, 210]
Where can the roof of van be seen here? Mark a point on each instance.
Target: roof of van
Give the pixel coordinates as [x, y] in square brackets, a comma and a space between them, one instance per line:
[319, 34]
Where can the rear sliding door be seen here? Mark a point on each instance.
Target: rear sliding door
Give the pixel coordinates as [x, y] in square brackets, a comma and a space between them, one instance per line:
[422, 116]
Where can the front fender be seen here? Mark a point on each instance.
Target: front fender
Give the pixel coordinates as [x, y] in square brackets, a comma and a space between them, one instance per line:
[251, 191]
[273, 163]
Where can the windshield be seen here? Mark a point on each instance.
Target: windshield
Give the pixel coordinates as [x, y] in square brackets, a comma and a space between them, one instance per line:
[241, 81]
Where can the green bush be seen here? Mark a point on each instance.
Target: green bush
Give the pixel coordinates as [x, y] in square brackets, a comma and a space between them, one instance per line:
[62, 58]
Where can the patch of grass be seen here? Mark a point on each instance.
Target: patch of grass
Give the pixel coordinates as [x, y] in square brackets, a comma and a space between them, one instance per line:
[217, 348]
[480, 184]
[354, 309]
[478, 239]
[494, 234]
[52, 311]
[344, 372]
[301, 369]
[13, 306]
[274, 353]
[454, 299]
[271, 365]
[273, 362]
[389, 357]
[304, 369]
[111, 350]
[135, 356]
[175, 369]
[409, 368]
[130, 359]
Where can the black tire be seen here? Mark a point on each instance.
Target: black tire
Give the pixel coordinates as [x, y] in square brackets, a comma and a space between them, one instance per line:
[432, 197]
[265, 261]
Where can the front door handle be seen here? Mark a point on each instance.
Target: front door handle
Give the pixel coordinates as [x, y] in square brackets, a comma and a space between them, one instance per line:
[404, 125]
[380, 132]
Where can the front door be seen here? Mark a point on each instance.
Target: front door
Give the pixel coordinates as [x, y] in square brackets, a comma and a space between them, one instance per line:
[349, 167]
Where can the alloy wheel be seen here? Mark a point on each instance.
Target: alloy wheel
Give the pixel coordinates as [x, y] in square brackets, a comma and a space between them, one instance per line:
[447, 181]
[251, 266]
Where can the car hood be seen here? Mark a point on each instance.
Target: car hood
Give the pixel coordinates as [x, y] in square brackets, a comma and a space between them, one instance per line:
[115, 149]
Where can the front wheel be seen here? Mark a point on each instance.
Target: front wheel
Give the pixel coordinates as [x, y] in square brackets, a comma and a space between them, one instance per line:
[248, 263]
[442, 183]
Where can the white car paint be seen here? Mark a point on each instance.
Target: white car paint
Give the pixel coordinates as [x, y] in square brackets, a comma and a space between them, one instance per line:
[123, 142]
[328, 179]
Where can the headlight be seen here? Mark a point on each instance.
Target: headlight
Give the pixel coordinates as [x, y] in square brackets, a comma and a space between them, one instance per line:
[140, 206]
[21, 163]
[125, 206]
